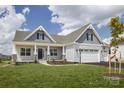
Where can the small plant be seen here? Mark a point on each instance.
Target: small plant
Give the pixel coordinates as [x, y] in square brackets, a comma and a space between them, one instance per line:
[9, 62]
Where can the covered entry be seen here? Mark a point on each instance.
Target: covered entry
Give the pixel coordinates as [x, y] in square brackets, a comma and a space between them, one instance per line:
[89, 55]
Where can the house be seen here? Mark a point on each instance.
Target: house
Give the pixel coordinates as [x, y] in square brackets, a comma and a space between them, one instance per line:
[121, 50]
[5, 57]
[83, 45]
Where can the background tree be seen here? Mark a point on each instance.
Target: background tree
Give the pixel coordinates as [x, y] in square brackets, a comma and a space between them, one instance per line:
[117, 28]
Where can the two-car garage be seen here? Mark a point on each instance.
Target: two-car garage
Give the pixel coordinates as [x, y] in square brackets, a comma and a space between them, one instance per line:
[83, 54]
[89, 55]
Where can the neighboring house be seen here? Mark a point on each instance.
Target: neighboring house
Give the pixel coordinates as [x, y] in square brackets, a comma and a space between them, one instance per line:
[5, 57]
[83, 45]
[121, 50]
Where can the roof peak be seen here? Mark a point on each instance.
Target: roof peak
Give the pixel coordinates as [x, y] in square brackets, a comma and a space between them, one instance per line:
[80, 28]
[40, 27]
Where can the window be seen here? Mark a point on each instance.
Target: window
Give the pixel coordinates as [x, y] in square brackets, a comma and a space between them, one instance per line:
[95, 50]
[91, 50]
[25, 52]
[53, 52]
[86, 50]
[40, 35]
[28, 52]
[22, 51]
[89, 36]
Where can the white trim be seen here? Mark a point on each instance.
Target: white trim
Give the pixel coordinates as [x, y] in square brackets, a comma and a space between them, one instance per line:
[14, 49]
[35, 50]
[85, 44]
[25, 52]
[99, 55]
[48, 50]
[39, 28]
[53, 52]
[40, 44]
[63, 50]
[95, 32]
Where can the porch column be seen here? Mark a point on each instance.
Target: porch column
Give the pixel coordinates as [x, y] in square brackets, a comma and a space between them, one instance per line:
[14, 54]
[48, 52]
[35, 53]
[63, 52]
[99, 55]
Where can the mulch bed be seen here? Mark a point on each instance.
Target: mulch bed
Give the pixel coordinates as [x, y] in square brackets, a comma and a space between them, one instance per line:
[60, 62]
[114, 75]
[106, 64]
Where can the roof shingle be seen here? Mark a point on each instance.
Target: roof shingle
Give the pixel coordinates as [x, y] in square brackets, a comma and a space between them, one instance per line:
[20, 35]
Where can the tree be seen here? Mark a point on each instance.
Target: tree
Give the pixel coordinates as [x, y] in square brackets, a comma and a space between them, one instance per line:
[117, 28]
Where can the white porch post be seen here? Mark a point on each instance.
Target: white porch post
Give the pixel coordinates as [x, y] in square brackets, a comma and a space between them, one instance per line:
[48, 52]
[14, 54]
[99, 55]
[63, 52]
[14, 49]
[35, 53]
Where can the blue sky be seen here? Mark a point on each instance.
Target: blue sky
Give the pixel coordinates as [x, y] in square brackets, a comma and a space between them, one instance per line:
[39, 15]
[58, 19]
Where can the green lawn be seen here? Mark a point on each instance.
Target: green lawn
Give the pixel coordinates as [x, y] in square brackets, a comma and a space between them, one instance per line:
[37, 75]
[4, 63]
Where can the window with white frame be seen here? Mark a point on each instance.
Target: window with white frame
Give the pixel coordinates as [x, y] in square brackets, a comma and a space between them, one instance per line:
[40, 36]
[22, 52]
[25, 52]
[89, 37]
[53, 52]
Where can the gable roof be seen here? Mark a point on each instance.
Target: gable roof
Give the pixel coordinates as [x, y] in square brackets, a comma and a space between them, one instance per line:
[20, 35]
[95, 32]
[39, 28]
[70, 38]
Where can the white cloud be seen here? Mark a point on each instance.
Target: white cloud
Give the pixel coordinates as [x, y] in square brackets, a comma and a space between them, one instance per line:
[24, 29]
[107, 40]
[26, 11]
[9, 22]
[73, 17]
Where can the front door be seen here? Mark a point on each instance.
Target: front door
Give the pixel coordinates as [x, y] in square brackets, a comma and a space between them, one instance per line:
[40, 53]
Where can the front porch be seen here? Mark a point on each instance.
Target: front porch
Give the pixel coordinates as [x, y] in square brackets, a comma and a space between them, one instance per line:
[48, 53]
[37, 53]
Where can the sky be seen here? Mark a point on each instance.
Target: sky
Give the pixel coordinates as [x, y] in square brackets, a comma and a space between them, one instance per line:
[58, 19]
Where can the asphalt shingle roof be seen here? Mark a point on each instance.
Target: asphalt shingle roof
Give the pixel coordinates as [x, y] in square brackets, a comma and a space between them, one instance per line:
[20, 36]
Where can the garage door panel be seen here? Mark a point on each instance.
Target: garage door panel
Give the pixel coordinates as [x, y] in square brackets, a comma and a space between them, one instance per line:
[89, 56]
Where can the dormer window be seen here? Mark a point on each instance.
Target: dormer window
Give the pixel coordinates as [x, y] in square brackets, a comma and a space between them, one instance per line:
[40, 36]
[89, 37]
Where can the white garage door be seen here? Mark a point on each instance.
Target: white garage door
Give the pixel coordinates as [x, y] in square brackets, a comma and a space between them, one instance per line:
[89, 56]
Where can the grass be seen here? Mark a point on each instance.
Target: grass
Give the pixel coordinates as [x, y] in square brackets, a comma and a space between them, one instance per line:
[4, 63]
[40, 76]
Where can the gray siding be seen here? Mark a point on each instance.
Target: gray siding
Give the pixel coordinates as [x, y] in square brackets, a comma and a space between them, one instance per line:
[83, 38]
[34, 38]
